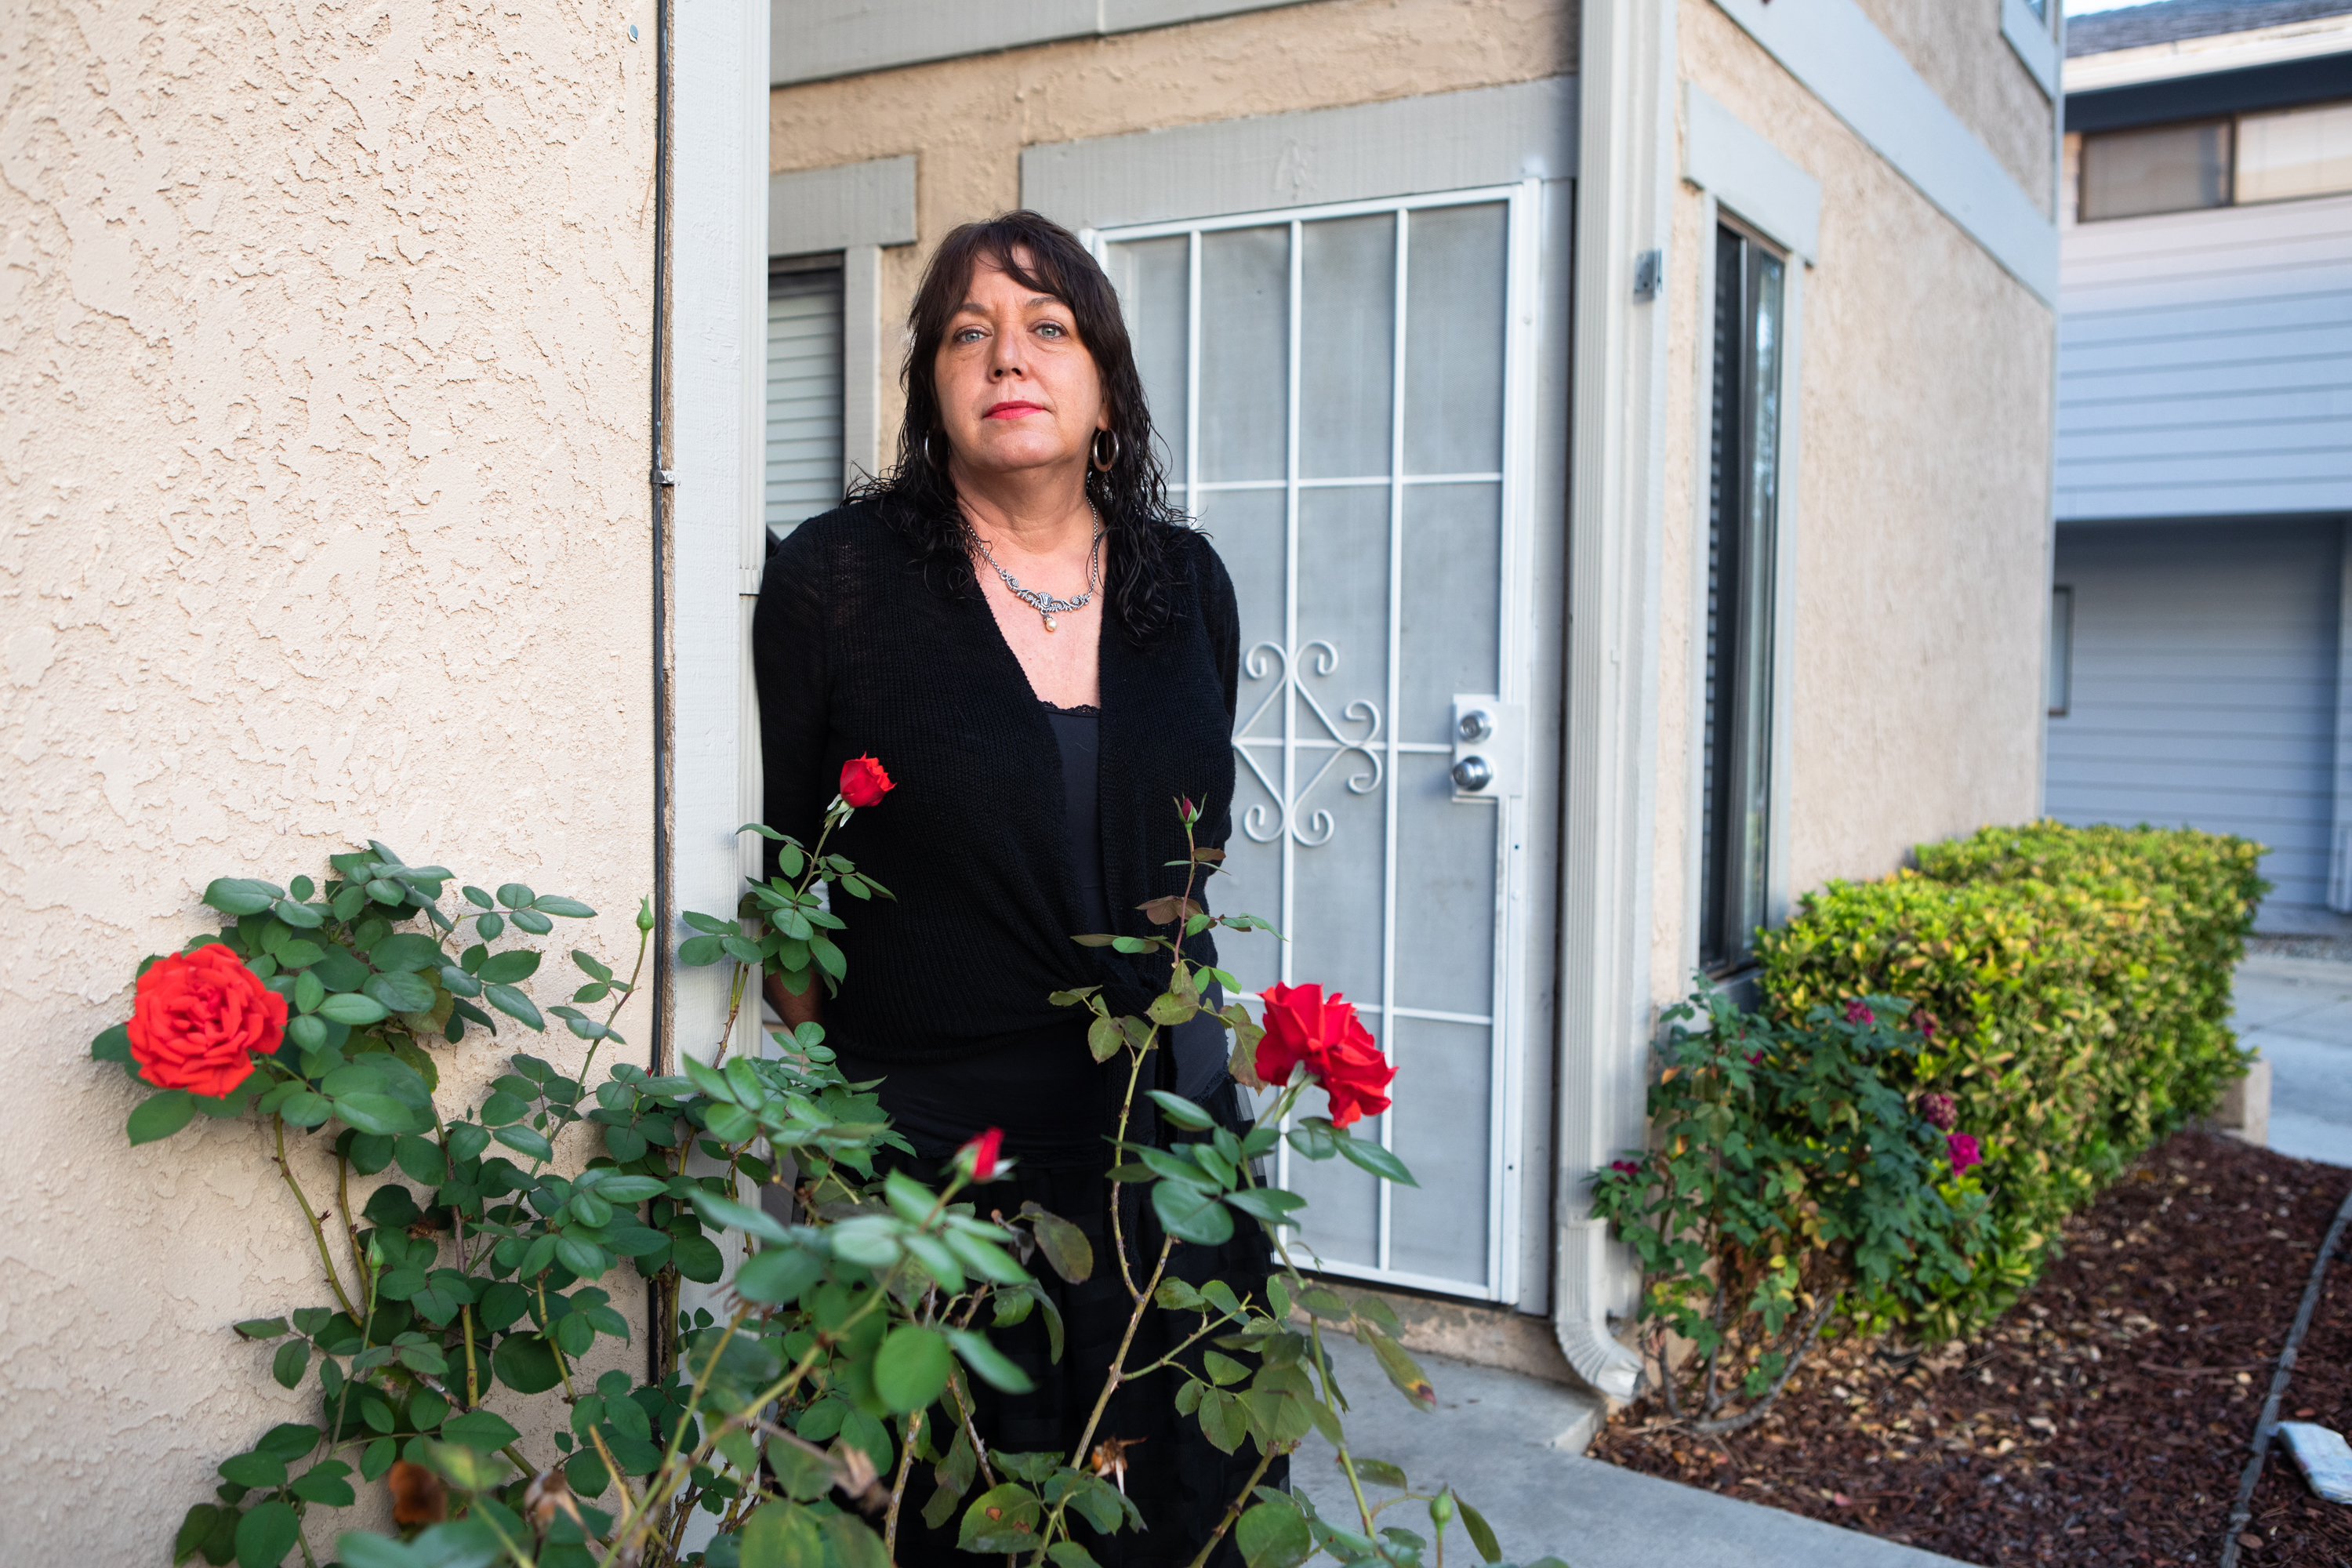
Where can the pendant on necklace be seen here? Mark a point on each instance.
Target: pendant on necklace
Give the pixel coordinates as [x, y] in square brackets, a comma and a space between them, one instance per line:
[1051, 626]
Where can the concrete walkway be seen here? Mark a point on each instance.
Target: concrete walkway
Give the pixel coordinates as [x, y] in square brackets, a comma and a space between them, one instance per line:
[2298, 1013]
[1492, 1437]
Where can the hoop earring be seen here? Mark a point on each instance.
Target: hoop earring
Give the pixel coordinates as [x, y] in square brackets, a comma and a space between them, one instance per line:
[928, 456]
[1104, 465]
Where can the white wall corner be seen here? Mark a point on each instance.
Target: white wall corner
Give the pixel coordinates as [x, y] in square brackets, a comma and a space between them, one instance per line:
[2035, 39]
[1624, 206]
[1750, 176]
[718, 259]
[845, 205]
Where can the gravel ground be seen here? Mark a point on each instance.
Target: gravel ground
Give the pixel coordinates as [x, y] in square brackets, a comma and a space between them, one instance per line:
[2104, 1419]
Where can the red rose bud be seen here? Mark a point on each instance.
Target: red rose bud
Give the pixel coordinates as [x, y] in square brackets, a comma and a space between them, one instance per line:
[1855, 1013]
[1941, 1111]
[1964, 1151]
[980, 1155]
[200, 1018]
[863, 782]
[1331, 1042]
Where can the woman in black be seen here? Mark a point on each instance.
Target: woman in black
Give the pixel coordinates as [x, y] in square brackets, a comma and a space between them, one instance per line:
[1043, 657]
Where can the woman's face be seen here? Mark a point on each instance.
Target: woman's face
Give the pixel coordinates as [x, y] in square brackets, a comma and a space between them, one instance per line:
[1017, 389]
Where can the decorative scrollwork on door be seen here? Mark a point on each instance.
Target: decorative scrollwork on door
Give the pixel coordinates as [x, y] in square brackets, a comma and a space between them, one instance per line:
[1269, 660]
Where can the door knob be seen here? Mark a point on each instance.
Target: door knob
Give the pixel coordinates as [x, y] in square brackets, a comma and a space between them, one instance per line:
[1472, 773]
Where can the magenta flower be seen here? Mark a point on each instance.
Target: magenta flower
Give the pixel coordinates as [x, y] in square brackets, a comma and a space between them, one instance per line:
[1964, 1151]
[1756, 1058]
[1939, 1110]
[1927, 1022]
[1625, 1166]
[1855, 1013]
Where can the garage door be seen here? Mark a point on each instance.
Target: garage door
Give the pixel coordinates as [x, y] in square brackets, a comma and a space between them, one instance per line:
[2201, 687]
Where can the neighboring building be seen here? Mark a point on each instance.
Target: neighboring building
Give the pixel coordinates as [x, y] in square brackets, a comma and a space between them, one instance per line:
[2204, 471]
[1636, 412]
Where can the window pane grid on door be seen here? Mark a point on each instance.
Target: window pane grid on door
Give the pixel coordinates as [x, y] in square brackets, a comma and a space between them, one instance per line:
[1316, 308]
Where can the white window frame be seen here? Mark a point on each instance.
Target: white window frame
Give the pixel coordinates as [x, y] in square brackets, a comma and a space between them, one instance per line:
[1742, 176]
[1505, 1019]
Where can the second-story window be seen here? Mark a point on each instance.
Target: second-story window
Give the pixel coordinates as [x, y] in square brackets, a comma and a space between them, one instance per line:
[1743, 506]
[2267, 155]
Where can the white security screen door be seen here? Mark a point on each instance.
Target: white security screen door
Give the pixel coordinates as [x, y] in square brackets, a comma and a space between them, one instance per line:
[1341, 392]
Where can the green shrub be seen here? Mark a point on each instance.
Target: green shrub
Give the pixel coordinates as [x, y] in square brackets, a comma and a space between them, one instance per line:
[2074, 984]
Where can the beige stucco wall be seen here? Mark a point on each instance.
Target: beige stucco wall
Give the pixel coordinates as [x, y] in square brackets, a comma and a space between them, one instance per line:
[1956, 44]
[967, 120]
[1920, 540]
[323, 338]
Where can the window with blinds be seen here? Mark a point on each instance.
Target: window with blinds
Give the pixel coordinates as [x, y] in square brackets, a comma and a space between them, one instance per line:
[804, 462]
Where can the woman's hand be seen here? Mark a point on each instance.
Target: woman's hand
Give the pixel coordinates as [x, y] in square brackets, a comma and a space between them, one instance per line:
[808, 1007]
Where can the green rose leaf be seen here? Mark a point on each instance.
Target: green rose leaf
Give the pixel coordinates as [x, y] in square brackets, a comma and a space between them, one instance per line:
[1065, 1246]
[526, 1364]
[292, 1359]
[379, 1113]
[777, 1275]
[112, 1046]
[1482, 1534]
[1004, 1518]
[570, 909]
[160, 1115]
[732, 1215]
[784, 1535]
[991, 1365]
[241, 895]
[1188, 1214]
[506, 968]
[266, 1534]
[468, 1140]
[631, 1189]
[1378, 1160]
[254, 1469]
[1274, 1535]
[1183, 1112]
[523, 1141]
[324, 1484]
[513, 1004]
[400, 992]
[480, 1429]
[302, 916]
[353, 1008]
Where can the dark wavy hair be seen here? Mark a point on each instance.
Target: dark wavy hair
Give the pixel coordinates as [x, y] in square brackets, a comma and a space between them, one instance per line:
[918, 500]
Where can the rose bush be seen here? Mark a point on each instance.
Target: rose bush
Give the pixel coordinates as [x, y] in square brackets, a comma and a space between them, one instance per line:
[473, 1253]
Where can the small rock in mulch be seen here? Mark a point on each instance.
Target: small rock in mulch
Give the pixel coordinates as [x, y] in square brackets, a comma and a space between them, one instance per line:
[2103, 1419]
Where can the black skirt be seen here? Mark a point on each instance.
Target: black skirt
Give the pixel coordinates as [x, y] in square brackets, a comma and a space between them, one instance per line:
[1179, 1480]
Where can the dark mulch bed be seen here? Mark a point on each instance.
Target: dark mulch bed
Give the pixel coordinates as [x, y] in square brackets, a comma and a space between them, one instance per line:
[2106, 1419]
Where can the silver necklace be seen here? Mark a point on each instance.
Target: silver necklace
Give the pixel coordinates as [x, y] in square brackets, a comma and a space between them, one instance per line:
[1046, 605]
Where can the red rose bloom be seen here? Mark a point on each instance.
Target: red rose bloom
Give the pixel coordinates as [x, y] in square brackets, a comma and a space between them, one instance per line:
[199, 1020]
[1856, 1012]
[1940, 1110]
[863, 782]
[1338, 1050]
[984, 1151]
[1965, 1152]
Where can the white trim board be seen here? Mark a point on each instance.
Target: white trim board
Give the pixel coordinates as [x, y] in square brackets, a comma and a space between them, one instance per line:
[2035, 39]
[846, 205]
[815, 39]
[1845, 61]
[1748, 175]
[1408, 146]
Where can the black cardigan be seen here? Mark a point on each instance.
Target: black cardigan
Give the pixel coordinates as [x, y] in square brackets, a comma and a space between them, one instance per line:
[858, 651]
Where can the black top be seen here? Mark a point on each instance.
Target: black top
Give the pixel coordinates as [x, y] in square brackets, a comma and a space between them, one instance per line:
[857, 654]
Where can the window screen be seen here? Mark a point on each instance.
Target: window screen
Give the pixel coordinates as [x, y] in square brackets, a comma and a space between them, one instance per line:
[2161, 169]
[804, 472]
[1743, 504]
[2293, 152]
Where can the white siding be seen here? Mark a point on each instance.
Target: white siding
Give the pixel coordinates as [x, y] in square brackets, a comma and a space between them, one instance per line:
[2205, 364]
[2203, 685]
[804, 472]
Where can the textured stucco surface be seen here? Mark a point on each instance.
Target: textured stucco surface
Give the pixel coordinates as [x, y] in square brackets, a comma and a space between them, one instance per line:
[1920, 540]
[1956, 44]
[967, 120]
[323, 355]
